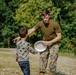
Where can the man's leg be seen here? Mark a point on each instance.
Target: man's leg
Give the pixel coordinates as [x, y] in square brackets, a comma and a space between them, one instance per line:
[43, 62]
[53, 58]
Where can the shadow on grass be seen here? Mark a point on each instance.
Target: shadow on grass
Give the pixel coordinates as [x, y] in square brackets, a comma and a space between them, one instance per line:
[58, 73]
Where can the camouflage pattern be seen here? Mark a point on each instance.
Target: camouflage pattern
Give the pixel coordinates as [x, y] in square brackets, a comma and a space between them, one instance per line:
[50, 53]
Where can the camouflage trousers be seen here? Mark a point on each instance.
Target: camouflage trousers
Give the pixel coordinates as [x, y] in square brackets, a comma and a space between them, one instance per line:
[50, 53]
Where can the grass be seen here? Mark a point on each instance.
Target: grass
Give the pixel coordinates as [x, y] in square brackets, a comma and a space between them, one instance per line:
[8, 65]
[70, 55]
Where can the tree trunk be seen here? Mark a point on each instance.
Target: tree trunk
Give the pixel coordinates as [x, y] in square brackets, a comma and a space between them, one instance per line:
[8, 43]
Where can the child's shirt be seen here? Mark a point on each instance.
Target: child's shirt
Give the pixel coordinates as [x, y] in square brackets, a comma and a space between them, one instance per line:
[23, 49]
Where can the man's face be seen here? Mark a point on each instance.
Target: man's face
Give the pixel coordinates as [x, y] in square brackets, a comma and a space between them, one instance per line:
[46, 18]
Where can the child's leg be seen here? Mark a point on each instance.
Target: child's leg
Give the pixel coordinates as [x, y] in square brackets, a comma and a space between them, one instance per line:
[25, 67]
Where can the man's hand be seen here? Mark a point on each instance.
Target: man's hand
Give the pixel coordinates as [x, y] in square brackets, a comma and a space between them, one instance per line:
[16, 39]
[46, 43]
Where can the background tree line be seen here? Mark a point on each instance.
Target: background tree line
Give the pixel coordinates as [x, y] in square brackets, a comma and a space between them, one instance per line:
[26, 13]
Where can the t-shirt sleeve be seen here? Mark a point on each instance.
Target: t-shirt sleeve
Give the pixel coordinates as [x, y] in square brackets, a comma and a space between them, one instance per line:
[57, 28]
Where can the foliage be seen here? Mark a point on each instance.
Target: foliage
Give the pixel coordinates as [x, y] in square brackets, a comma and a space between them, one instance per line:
[17, 13]
[68, 24]
[29, 13]
[8, 26]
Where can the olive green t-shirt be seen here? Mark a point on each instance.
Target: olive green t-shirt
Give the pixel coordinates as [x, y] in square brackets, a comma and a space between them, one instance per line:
[49, 31]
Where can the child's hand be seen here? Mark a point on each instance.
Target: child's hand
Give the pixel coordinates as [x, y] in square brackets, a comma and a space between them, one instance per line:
[16, 59]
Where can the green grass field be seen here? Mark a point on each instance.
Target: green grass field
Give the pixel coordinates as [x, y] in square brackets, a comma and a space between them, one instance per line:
[8, 65]
[70, 55]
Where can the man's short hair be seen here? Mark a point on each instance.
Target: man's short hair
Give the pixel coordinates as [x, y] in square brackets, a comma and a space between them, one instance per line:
[45, 12]
[23, 32]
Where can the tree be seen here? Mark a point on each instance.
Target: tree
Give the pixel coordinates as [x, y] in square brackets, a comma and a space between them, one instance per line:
[67, 18]
[29, 13]
[8, 26]
[26, 13]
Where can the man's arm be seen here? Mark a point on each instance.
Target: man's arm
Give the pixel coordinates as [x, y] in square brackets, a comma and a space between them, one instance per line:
[31, 30]
[16, 39]
[58, 38]
[54, 40]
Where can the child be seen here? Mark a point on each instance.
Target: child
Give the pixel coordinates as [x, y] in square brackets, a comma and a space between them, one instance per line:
[23, 49]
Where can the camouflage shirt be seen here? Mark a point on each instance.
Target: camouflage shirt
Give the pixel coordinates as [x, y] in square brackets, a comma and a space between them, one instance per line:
[23, 49]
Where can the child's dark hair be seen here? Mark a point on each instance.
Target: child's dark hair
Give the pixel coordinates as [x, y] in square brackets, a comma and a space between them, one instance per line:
[23, 32]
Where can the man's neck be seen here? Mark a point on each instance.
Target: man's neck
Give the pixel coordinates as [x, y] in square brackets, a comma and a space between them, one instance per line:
[47, 24]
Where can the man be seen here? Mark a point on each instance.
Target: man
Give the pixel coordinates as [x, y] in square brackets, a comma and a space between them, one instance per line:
[51, 36]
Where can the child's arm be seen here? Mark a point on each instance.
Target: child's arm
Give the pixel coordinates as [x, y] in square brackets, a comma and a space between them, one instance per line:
[32, 50]
[17, 51]
[16, 57]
